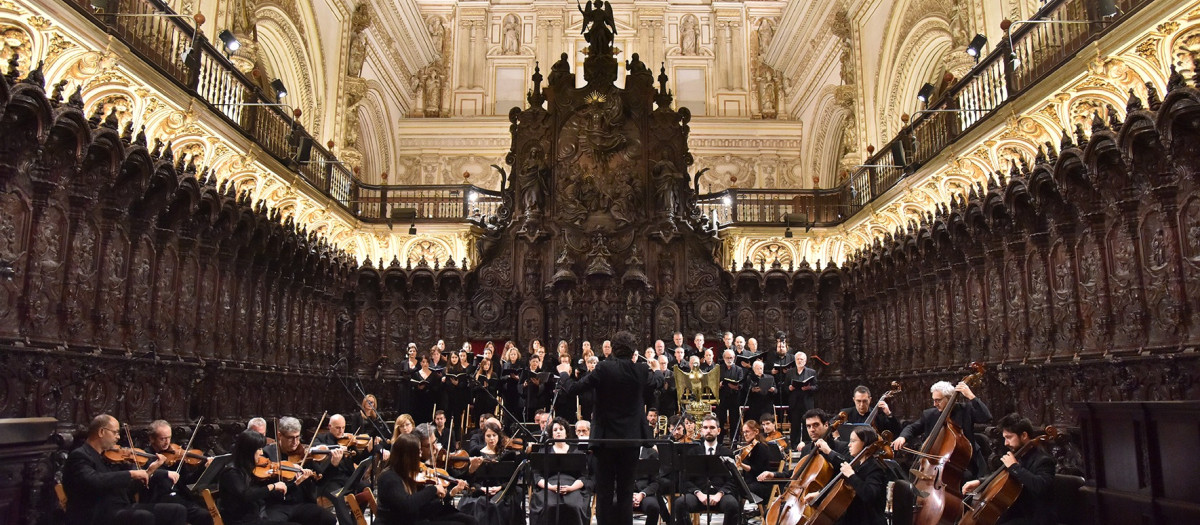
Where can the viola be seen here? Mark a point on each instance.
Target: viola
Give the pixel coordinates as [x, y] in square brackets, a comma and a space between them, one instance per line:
[315, 453]
[997, 492]
[941, 462]
[813, 471]
[137, 456]
[833, 500]
[193, 457]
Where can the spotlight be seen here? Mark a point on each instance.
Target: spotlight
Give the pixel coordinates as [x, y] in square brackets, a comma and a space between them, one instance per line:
[976, 47]
[230, 41]
[787, 234]
[412, 229]
[925, 92]
[280, 90]
[1016, 61]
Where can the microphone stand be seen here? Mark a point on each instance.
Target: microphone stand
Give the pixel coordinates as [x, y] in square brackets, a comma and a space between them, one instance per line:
[741, 415]
[508, 413]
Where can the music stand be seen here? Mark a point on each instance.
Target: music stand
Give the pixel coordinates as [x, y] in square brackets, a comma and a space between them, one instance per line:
[354, 478]
[572, 463]
[731, 467]
[650, 467]
[707, 467]
[672, 459]
[502, 469]
[210, 473]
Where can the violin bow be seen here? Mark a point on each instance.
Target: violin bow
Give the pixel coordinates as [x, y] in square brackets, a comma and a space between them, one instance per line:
[314, 438]
[129, 437]
[179, 468]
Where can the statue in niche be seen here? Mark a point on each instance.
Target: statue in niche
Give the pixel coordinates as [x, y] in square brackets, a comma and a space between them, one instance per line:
[958, 24]
[511, 44]
[667, 181]
[767, 92]
[766, 33]
[245, 20]
[533, 186]
[599, 27]
[358, 53]
[689, 36]
[433, 92]
[437, 32]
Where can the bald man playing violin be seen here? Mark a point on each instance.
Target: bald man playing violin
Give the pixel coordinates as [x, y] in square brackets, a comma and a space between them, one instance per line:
[99, 492]
[162, 490]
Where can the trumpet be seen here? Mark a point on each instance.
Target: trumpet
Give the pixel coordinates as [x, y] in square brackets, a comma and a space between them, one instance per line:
[661, 428]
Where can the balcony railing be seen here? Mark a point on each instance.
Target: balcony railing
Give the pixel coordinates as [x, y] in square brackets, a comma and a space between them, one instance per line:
[179, 53]
[1035, 51]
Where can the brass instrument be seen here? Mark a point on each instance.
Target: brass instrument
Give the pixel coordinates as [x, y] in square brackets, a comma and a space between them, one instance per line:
[661, 428]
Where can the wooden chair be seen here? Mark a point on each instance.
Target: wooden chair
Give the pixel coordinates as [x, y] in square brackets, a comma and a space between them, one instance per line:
[372, 503]
[355, 510]
[211, 505]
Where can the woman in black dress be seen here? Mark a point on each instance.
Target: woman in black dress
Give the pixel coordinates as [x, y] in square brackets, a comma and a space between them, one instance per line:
[479, 503]
[244, 498]
[559, 497]
[405, 496]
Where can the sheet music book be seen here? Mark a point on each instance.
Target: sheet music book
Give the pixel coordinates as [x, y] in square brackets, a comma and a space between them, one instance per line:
[750, 359]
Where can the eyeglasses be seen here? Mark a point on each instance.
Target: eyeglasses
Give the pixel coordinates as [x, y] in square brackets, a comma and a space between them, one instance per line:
[116, 431]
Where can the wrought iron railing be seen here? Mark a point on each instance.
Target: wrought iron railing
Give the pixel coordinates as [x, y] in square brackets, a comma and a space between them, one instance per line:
[1028, 54]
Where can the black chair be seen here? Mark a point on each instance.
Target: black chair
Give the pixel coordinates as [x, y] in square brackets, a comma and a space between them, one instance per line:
[1068, 503]
[904, 502]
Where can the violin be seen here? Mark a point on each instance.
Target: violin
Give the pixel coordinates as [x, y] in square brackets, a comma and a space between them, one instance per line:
[358, 442]
[192, 458]
[137, 456]
[517, 444]
[997, 492]
[813, 471]
[436, 475]
[941, 462]
[265, 469]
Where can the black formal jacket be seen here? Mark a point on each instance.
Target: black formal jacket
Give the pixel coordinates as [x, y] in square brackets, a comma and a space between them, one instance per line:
[398, 507]
[882, 422]
[96, 489]
[730, 395]
[243, 499]
[798, 398]
[966, 415]
[870, 495]
[1035, 471]
[759, 403]
[621, 384]
[648, 485]
[723, 483]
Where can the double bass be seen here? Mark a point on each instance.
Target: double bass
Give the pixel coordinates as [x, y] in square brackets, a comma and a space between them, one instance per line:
[813, 470]
[941, 462]
[833, 500]
[997, 492]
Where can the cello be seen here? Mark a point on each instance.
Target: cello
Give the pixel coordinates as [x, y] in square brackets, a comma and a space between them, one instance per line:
[896, 389]
[997, 492]
[940, 464]
[813, 470]
[833, 500]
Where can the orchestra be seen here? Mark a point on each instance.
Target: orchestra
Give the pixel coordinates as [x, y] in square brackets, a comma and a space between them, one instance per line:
[478, 470]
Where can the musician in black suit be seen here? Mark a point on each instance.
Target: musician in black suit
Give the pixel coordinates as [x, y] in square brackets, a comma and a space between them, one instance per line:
[731, 391]
[162, 490]
[622, 384]
[760, 399]
[701, 493]
[98, 492]
[966, 415]
[646, 497]
[800, 399]
[858, 414]
[778, 364]
[816, 423]
[1034, 471]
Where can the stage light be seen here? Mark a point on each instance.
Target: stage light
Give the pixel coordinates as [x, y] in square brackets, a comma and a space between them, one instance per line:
[280, 90]
[976, 47]
[231, 42]
[925, 92]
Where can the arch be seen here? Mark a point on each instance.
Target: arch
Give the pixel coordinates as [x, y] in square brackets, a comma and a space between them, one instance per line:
[920, 58]
[374, 138]
[827, 144]
[287, 57]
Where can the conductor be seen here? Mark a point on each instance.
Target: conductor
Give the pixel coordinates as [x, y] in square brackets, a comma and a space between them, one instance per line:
[623, 384]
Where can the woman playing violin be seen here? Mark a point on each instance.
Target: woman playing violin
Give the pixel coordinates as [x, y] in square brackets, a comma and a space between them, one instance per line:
[408, 497]
[250, 491]
[479, 503]
[755, 458]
